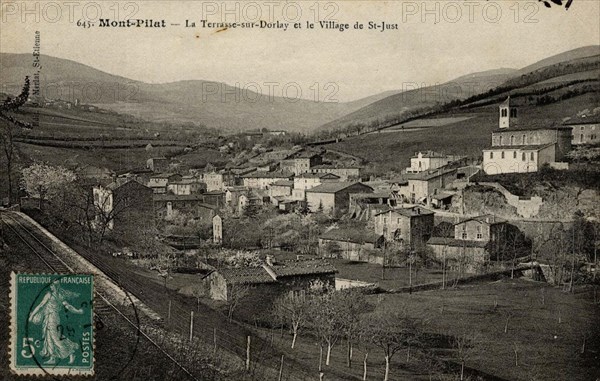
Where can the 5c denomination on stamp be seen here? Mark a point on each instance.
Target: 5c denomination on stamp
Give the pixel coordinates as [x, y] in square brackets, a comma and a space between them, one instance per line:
[52, 327]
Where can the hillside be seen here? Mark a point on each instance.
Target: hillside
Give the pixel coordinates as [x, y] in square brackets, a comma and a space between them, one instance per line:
[212, 104]
[463, 132]
[462, 88]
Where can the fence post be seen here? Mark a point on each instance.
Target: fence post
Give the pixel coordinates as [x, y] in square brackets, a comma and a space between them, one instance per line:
[214, 341]
[169, 313]
[281, 369]
[191, 325]
[248, 354]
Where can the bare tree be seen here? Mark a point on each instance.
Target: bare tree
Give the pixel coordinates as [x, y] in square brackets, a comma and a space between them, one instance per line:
[352, 304]
[292, 310]
[465, 344]
[325, 320]
[235, 293]
[392, 331]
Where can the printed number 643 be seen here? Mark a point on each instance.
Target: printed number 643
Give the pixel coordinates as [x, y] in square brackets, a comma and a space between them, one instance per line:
[28, 350]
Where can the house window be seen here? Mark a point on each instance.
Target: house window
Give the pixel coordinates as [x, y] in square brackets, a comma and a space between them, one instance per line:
[532, 156]
[503, 154]
[523, 156]
[513, 112]
[500, 140]
[512, 140]
[464, 235]
[581, 138]
[479, 236]
[491, 155]
[514, 154]
[524, 139]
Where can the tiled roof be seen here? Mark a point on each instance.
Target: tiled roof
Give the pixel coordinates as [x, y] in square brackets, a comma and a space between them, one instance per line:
[270, 274]
[312, 267]
[269, 175]
[410, 212]
[486, 218]
[334, 187]
[532, 127]
[525, 147]
[318, 175]
[351, 235]
[431, 174]
[246, 275]
[331, 166]
[456, 242]
[283, 183]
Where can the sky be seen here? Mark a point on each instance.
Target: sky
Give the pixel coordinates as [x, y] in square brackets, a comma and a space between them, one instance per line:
[431, 41]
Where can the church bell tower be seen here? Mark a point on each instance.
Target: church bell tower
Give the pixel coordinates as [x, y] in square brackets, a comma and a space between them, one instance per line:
[508, 115]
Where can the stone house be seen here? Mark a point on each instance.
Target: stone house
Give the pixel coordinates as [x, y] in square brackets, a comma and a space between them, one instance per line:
[214, 181]
[424, 161]
[158, 164]
[306, 181]
[281, 189]
[159, 182]
[165, 206]
[262, 180]
[349, 243]
[345, 172]
[412, 227]
[333, 197]
[421, 186]
[186, 187]
[301, 162]
[474, 241]
[586, 129]
[261, 286]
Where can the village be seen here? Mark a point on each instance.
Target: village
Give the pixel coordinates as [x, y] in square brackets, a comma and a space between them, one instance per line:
[205, 193]
[286, 227]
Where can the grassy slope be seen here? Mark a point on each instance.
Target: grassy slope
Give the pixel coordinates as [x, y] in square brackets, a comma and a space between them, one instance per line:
[548, 350]
[392, 151]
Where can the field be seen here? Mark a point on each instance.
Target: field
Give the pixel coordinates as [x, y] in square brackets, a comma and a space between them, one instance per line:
[547, 349]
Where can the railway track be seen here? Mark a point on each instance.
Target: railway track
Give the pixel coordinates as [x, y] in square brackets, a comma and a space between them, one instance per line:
[155, 296]
[50, 260]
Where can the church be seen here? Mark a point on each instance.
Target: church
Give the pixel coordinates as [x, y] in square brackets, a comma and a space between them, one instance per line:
[517, 149]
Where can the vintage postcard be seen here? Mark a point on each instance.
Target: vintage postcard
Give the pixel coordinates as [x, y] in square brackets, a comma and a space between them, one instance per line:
[51, 325]
[299, 190]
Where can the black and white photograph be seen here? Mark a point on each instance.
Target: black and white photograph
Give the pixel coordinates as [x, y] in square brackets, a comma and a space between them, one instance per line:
[299, 190]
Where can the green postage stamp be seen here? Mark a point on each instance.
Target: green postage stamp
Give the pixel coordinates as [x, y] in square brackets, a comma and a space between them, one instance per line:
[52, 324]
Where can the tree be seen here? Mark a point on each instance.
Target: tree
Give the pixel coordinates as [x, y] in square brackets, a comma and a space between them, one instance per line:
[45, 181]
[465, 345]
[326, 320]
[235, 293]
[392, 331]
[352, 304]
[292, 310]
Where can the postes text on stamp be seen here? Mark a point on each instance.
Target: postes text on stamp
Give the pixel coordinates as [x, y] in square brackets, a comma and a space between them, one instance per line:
[52, 327]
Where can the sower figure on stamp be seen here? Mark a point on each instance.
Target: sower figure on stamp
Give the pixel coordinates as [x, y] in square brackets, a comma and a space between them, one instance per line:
[56, 344]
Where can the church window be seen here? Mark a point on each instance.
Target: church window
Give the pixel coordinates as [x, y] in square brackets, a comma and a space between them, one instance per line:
[523, 156]
[513, 112]
[514, 154]
[532, 156]
[491, 155]
[524, 139]
[503, 154]
[512, 140]
[504, 113]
